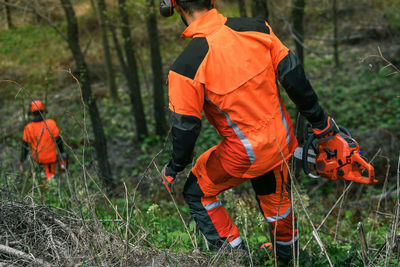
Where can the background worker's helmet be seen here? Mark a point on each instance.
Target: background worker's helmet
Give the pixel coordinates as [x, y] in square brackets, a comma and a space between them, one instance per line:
[36, 105]
[167, 6]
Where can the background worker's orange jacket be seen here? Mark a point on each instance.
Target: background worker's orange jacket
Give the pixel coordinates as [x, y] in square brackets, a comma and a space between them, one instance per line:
[230, 71]
[41, 136]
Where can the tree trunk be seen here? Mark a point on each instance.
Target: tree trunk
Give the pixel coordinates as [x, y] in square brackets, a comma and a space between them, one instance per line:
[242, 8]
[156, 64]
[297, 18]
[133, 77]
[101, 14]
[335, 39]
[119, 51]
[7, 14]
[259, 9]
[90, 102]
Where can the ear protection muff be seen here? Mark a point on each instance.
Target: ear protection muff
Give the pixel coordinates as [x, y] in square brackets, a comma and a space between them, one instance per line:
[167, 7]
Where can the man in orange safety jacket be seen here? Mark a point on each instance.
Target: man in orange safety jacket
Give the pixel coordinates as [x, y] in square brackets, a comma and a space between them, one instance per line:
[42, 135]
[230, 71]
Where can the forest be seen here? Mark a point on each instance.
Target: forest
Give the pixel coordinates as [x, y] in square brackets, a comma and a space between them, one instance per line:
[100, 68]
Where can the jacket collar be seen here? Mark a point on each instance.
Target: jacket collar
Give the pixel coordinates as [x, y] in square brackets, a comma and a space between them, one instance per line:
[207, 24]
[37, 119]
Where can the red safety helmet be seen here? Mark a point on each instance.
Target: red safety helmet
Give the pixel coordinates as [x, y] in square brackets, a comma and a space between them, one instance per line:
[36, 105]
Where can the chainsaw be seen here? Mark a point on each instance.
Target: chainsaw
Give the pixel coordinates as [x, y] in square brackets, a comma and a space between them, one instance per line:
[335, 157]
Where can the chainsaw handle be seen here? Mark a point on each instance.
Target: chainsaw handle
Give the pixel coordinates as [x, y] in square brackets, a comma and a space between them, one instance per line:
[306, 170]
[345, 130]
[356, 157]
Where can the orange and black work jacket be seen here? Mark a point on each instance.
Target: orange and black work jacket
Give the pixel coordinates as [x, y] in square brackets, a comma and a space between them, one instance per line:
[230, 71]
[40, 135]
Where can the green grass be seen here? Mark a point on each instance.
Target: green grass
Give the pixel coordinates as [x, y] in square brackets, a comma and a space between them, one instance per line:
[31, 52]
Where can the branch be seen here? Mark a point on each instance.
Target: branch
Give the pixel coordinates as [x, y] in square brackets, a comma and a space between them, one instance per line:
[34, 11]
[389, 64]
[21, 255]
[387, 61]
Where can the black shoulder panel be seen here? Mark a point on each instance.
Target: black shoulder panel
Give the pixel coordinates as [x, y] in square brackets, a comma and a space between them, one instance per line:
[247, 25]
[189, 61]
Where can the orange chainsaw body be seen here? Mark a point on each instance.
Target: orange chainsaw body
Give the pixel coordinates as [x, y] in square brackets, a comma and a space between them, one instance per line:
[339, 157]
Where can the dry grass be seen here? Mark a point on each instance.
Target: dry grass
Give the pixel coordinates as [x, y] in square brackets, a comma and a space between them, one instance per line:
[37, 235]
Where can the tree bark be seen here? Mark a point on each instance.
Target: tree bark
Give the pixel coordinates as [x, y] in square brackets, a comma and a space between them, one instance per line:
[101, 14]
[242, 8]
[132, 77]
[297, 18]
[90, 102]
[156, 64]
[335, 38]
[118, 49]
[7, 13]
[259, 9]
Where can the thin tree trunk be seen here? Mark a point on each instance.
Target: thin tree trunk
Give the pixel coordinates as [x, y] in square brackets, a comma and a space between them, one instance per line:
[259, 9]
[90, 102]
[242, 8]
[133, 77]
[101, 15]
[335, 38]
[297, 18]
[156, 64]
[37, 17]
[7, 13]
[118, 49]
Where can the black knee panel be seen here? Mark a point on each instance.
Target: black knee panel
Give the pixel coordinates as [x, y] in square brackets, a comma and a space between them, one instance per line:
[264, 184]
[191, 191]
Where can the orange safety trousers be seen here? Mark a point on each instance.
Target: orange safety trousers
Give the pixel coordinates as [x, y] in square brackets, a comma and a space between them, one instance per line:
[50, 170]
[208, 179]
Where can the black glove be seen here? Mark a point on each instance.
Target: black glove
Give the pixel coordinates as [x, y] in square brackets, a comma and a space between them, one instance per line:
[64, 160]
[330, 129]
[168, 176]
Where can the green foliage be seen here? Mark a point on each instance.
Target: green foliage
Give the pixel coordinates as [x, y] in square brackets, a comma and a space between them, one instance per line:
[390, 11]
[20, 51]
[358, 97]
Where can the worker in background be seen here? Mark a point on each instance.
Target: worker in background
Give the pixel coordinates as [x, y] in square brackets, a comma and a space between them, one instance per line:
[43, 135]
[229, 71]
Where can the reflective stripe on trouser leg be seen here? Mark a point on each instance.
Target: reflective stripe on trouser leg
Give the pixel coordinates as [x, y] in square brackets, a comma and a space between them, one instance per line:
[274, 202]
[284, 230]
[221, 220]
[210, 215]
